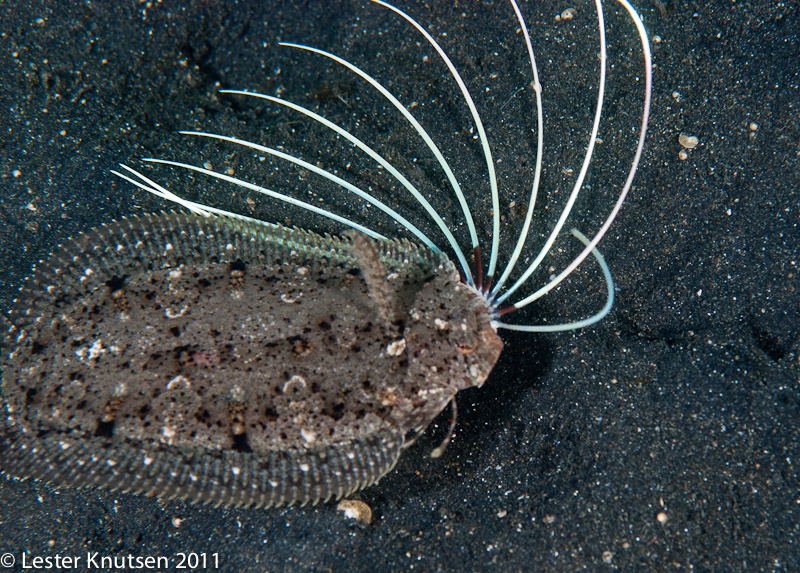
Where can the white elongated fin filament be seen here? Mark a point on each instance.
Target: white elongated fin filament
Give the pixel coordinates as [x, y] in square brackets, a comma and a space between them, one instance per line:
[152, 187]
[378, 158]
[580, 323]
[484, 140]
[537, 173]
[494, 298]
[587, 160]
[327, 175]
[648, 71]
[414, 123]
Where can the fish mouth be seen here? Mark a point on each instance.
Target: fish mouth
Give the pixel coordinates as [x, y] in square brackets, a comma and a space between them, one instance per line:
[488, 345]
[491, 345]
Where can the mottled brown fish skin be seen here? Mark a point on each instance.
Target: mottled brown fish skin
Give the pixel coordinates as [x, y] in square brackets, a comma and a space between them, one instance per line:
[233, 363]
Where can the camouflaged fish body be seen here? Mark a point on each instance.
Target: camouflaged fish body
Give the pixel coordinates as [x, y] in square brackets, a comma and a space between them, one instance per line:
[233, 363]
[223, 360]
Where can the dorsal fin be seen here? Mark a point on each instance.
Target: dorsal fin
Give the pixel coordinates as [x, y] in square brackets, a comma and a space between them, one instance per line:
[230, 479]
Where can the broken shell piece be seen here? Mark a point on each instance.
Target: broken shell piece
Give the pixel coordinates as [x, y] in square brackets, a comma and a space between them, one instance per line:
[354, 509]
[567, 14]
[688, 141]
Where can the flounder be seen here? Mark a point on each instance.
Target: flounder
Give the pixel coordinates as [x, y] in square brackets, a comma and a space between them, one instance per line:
[220, 359]
[234, 363]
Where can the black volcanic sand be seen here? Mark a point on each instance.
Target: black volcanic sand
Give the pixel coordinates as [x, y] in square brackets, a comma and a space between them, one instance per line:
[663, 438]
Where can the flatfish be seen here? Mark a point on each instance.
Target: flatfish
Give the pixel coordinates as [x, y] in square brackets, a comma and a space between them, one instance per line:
[233, 363]
[216, 358]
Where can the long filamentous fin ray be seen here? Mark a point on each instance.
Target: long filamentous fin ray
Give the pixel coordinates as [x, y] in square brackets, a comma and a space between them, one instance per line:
[380, 160]
[484, 140]
[537, 173]
[152, 187]
[327, 175]
[591, 246]
[580, 323]
[494, 298]
[414, 123]
[587, 160]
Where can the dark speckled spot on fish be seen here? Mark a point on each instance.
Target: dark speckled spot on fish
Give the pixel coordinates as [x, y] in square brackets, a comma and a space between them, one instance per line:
[212, 357]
